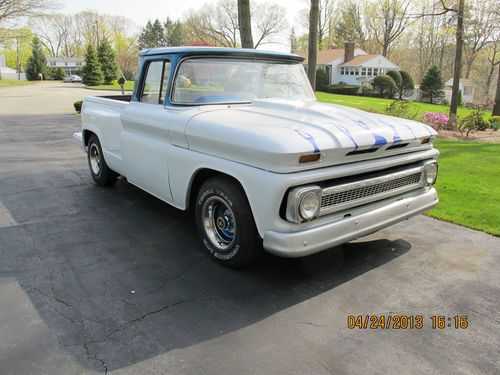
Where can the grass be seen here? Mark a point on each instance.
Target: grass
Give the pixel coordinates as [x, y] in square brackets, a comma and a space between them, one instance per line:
[129, 86]
[379, 105]
[6, 82]
[469, 175]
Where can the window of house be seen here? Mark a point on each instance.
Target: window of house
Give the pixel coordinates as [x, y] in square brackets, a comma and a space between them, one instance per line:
[363, 71]
[370, 72]
[155, 82]
[351, 71]
[356, 71]
[341, 70]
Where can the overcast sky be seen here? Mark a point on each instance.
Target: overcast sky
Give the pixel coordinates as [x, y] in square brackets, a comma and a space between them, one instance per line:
[140, 11]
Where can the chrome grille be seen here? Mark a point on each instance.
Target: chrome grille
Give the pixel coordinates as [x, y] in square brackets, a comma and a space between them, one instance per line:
[362, 192]
[357, 193]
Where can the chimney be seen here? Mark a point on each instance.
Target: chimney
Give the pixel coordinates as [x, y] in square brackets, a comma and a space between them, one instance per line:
[348, 51]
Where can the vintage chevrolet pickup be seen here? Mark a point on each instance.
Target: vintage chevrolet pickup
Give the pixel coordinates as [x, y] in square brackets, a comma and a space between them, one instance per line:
[238, 136]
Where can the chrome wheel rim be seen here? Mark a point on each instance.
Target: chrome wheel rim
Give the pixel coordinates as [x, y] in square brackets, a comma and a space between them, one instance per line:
[219, 223]
[95, 160]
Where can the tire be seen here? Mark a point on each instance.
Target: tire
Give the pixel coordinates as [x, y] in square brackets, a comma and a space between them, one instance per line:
[99, 170]
[230, 235]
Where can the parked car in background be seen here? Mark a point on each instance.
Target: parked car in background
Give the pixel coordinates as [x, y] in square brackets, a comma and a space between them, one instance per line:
[237, 135]
[73, 78]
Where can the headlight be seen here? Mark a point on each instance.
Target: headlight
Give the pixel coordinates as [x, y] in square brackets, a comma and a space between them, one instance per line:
[430, 172]
[309, 205]
[303, 203]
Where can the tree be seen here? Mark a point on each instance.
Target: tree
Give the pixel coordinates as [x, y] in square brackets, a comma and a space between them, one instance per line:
[481, 26]
[59, 74]
[386, 20]
[384, 84]
[92, 73]
[313, 42]
[37, 63]
[457, 68]
[493, 60]
[245, 23]
[293, 40]
[398, 80]
[173, 33]
[126, 55]
[432, 84]
[269, 21]
[349, 27]
[16, 9]
[152, 36]
[106, 58]
[407, 85]
[496, 107]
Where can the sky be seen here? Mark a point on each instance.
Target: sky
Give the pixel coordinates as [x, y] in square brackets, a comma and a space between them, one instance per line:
[143, 10]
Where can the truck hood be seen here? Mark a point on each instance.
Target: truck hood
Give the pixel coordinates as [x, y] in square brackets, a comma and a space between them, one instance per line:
[273, 134]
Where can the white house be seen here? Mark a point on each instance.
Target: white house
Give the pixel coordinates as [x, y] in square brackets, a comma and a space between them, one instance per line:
[69, 64]
[6, 72]
[351, 65]
[466, 87]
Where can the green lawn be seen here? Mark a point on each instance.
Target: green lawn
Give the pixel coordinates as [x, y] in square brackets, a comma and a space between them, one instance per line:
[468, 184]
[129, 86]
[379, 105]
[5, 82]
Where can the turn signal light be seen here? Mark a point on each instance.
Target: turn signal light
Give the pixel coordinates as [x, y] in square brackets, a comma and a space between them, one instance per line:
[309, 158]
[425, 141]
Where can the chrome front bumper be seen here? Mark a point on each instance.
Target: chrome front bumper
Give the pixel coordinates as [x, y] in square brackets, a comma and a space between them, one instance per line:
[309, 241]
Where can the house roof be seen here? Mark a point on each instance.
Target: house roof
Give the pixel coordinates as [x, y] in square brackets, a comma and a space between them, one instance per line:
[64, 59]
[358, 60]
[324, 56]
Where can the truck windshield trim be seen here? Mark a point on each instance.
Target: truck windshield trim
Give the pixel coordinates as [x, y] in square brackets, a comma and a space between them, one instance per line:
[214, 80]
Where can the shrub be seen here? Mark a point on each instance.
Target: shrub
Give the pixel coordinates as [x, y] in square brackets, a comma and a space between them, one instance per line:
[473, 121]
[404, 109]
[321, 79]
[384, 85]
[78, 105]
[437, 120]
[59, 74]
[366, 88]
[494, 122]
[342, 89]
[398, 80]
[407, 85]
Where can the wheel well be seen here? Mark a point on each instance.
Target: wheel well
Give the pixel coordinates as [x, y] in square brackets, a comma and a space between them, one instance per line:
[86, 136]
[203, 175]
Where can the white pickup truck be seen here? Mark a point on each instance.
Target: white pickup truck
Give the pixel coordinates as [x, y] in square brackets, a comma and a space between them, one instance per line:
[238, 136]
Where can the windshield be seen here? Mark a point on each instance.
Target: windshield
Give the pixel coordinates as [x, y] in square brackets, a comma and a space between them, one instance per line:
[216, 80]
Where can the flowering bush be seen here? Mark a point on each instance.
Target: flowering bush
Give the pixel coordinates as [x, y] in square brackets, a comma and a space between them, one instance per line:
[437, 120]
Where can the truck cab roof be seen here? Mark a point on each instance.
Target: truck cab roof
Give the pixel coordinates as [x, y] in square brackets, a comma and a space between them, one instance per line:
[220, 51]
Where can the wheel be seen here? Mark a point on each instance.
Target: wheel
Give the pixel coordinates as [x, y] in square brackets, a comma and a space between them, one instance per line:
[225, 223]
[99, 170]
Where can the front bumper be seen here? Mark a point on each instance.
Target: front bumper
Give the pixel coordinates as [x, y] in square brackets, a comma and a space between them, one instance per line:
[309, 241]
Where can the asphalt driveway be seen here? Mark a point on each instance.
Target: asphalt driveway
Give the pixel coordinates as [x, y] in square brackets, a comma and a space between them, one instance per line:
[96, 280]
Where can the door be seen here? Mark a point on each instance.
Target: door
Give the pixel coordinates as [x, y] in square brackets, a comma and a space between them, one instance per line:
[145, 138]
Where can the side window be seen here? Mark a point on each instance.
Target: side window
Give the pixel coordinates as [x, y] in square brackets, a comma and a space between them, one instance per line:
[155, 82]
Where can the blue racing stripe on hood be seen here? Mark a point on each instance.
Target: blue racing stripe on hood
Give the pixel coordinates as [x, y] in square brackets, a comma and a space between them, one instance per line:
[309, 138]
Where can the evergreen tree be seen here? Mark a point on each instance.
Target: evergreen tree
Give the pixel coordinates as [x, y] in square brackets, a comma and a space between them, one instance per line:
[59, 74]
[106, 57]
[407, 85]
[152, 35]
[173, 33]
[432, 84]
[92, 72]
[398, 80]
[37, 63]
